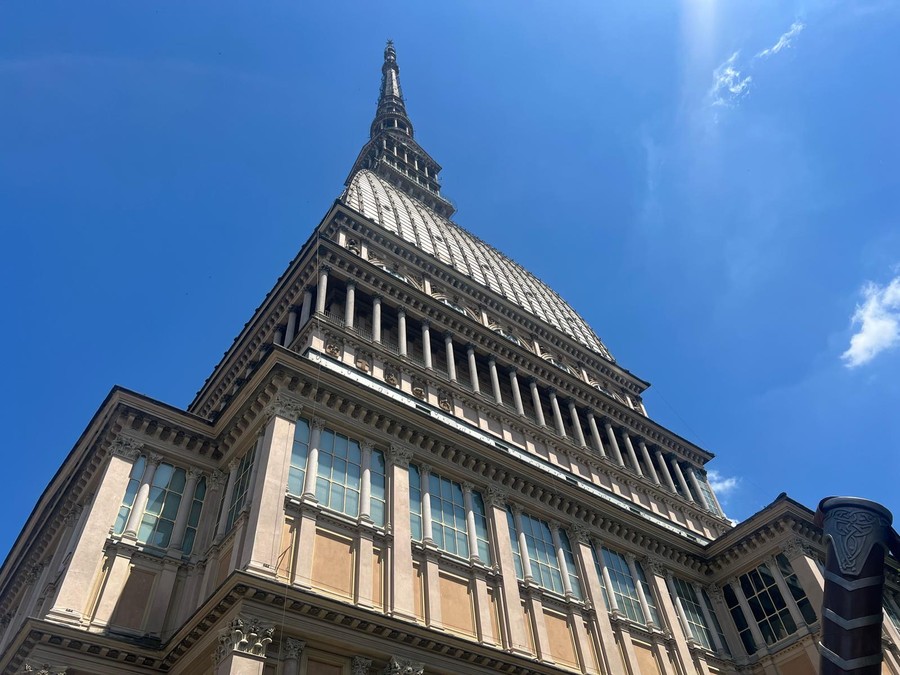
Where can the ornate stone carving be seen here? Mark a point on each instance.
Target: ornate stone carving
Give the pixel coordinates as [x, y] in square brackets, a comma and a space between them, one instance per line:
[154, 459]
[194, 473]
[127, 447]
[360, 665]
[293, 648]
[654, 565]
[715, 594]
[333, 346]
[32, 573]
[797, 547]
[581, 534]
[445, 402]
[400, 455]
[247, 635]
[418, 388]
[285, 406]
[216, 479]
[398, 666]
[317, 423]
[73, 515]
[391, 376]
[364, 361]
[497, 496]
[46, 669]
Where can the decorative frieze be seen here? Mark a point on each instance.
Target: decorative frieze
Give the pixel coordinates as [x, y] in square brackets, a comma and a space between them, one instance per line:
[398, 666]
[400, 455]
[127, 447]
[285, 406]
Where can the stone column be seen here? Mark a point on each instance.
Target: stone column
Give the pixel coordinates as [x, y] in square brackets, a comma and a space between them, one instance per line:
[278, 339]
[365, 482]
[732, 637]
[758, 638]
[663, 583]
[262, 543]
[557, 415]
[495, 380]
[664, 469]
[523, 544]
[471, 535]
[516, 640]
[233, 466]
[426, 344]
[425, 487]
[473, 368]
[321, 290]
[401, 331]
[350, 305]
[632, 456]
[646, 456]
[293, 650]
[451, 357]
[291, 329]
[517, 394]
[184, 509]
[802, 559]
[561, 559]
[609, 655]
[376, 319]
[75, 586]
[536, 402]
[143, 493]
[402, 572]
[306, 306]
[695, 484]
[613, 443]
[595, 435]
[707, 617]
[576, 423]
[639, 587]
[682, 483]
[793, 609]
[312, 461]
[242, 647]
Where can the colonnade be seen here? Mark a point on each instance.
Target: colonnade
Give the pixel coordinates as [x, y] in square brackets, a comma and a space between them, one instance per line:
[503, 384]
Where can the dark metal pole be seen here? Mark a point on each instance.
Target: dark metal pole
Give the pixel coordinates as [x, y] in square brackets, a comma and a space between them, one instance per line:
[857, 532]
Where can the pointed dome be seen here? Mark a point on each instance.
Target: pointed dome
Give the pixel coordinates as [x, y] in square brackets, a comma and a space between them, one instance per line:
[382, 203]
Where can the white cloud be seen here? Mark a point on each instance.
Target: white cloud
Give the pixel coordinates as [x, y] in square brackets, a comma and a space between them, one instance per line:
[878, 318]
[784, 41]
[721, 485]
[729, 85]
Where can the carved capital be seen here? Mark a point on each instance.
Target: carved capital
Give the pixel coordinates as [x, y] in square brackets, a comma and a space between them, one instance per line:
[581, 534]
[400, 455]
[797, 547]
[244, 634]
[497, 496]
[317, 424]
[366, 445]
[467, 486]
[654, 565]
[45, 669]
[216, 479]
[154, 459]
[359, 665]
[398, 666]
[285, 406]
[234, 464]
[293, 648]
[127, 447]
[715, 594]
[424, 469]
[73, 515]
[194, 474]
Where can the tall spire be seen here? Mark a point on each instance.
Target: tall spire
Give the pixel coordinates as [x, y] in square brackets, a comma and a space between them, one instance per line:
[391, 151]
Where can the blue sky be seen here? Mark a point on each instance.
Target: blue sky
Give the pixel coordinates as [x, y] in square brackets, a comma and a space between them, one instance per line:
[713, 185]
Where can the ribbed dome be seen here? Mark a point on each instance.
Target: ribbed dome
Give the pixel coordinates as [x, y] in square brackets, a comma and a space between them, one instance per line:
[396, 212]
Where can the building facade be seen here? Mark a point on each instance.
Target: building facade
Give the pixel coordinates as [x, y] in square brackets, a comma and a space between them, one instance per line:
[415, 458]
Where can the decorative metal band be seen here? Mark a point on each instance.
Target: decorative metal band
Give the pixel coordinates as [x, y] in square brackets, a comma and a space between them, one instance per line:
[852, 624]
[852, 585]
[849, 664]
[854, 526]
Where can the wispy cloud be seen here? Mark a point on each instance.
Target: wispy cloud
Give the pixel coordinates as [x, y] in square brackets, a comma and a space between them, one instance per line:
[784, 41]
[878, 319]
[723, 486]
[730, 81]
[729, 84]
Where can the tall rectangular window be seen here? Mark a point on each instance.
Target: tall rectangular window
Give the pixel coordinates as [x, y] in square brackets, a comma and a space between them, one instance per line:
[299, 458]
[134, 483]
[415, 503]
[190, 532]
[797, 592]
[693, 612]
[158, 520]
[623, 585]
[481, 528]
[648, 595]
[378, 499]
[769, 607]
[571, 565]
[542, 553]
[241, 485]
[338, 477]
[740, 621]
[448, 515]
[514, 541]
